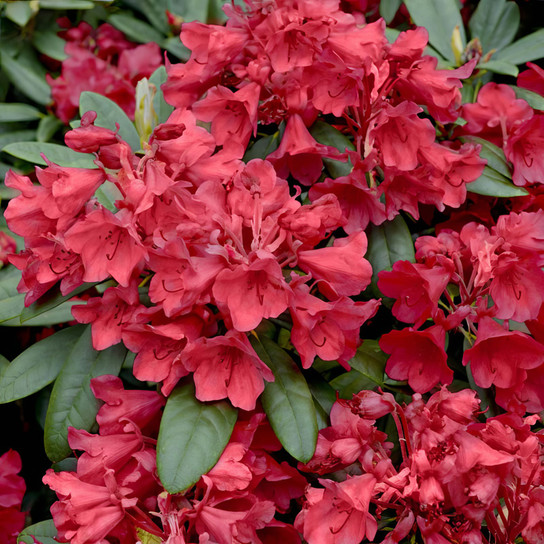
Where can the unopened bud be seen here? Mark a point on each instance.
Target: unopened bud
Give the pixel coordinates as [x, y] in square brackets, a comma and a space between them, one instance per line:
[145, 117]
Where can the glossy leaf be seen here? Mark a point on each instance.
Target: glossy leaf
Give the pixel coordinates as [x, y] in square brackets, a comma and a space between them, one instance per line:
[263, 147]
[439, 17]
[287, 401]
[324, 397]
[27, 80]
[162, 108]
[325, 134]
[50, 44]
[72, 402]
[18, 112]
[387, 244]
[533, 99]
[495, 23]
[192, 436]
[108, 114]
[135, 29]
[491, 183]
[38, 365]
[493, 154]
[43, 531]
[528, 48]
[59, 154]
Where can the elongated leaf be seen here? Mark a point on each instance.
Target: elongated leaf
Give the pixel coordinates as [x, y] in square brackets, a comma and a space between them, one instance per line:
[495, 23]
[59, 154]
[60, 314]
[162, 108]
[499, 67]
[173, 45]
[19, 12]
[108, 114]
[18, 112]
[288, 402]
[51, 300]
[491, 183]
[439, 17]
[388, 9]
[66, 4]
[528, 48]
[325, 134]
[28, 81]
[324, 397]
[47, 128]
[11, 302]
[155, 11]
[533, 99]
[263, 147]
[493, 154]
[190, 11]
[192, 437]
[50, 44]
[15, 136]
[38, 365]
[388, 243]
[135, 29]
[72, 402]
[44, 531]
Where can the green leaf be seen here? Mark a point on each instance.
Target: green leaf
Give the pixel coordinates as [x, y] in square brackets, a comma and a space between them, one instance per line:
[190, 11]
[324, 397]
[49, 301]
[47, 128]
[44, 531]
[328, 135]
[533, 99]
[389, 8]
[38, 365]
[499, 67]
[19, 12]
[18, 112]
[287, 401]
[192, 437]
[135, 29]
[173, 45]
[59, 154]
[50, 44]
[495, 23]
[155, 11]
[263, 147]
[66, 4]
[72, 402]
[162, 108]
[11, 301]
[493, 154]
[16, 136]
[491, 183]
[27, 80]
[439, 17]
[108, 115]
[60, 314]
[387, 244]
[528, 48]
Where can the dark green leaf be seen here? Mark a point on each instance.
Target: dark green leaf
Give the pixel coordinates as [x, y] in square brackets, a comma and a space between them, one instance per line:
[439, 17]
[16, 136]
[493, 154]
[72, 402]
[66, 465]
[108, 115]
[134, 28]
[328, 135]
[263, 147]
[192, 437]
[60, 314]
[491, 183]
[287, 401]
[350, 383]
[18, 112]
[44, 531]
[370, 361]
[19, 12]
[51, 300]
[499, 67]
[47, 128]
[533, 99]
[388, 9]
[388, 243]
[495, 23]
[162, 108]
[50, 44]
[38, 365]
[59, 154]
[528, 48]
[324, 397]
[28, 81]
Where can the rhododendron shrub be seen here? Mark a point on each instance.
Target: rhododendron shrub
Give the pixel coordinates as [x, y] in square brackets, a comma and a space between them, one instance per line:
[299, 298]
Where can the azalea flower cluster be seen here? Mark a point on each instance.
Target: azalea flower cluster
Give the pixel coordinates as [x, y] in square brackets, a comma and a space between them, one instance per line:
[101, 60]
[12, 490]
[454, 474]
[484, 275]
[116, 494]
